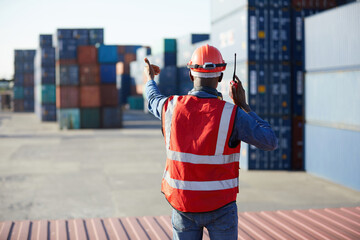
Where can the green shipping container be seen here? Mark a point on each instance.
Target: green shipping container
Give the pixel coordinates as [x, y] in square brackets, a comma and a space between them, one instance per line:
[48, 93]
[167, 45]
[90, 117]
[136, 102]
[18, 92]
[68, 118]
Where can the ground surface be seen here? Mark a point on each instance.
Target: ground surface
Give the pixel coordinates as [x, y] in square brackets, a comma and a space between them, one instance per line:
[46, 173]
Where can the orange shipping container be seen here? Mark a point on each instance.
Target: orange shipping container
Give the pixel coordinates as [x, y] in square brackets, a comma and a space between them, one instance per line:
[87, 55]
[121, 49]
[89, 74]
[129, 57]
[109, 95]
[67, 97]
[90, 96]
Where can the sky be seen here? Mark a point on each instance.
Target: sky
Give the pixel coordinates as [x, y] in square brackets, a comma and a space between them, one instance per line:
[124, 21]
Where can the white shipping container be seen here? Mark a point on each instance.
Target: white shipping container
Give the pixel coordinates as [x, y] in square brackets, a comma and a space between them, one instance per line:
[332, 39]
[332, 99]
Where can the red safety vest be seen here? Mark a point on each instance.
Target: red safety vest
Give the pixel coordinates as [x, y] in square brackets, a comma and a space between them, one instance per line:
[202, 171]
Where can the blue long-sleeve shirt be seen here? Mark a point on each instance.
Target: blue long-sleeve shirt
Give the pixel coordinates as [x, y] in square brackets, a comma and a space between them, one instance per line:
[248, 127]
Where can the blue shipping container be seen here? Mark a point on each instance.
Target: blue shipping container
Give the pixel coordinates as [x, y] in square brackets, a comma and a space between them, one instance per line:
[29, 105]
[68, 118]
[47, 57]
[45, 40]
[111, 117]
[279, 159]
[67, 74]
[124, 86]
[29, 93]
[132, 48]
[163, 60]
[81, 36]
[297, 89]
[48, 112]
[108, 54]
[66, 49]
[18, 92]
[167, 81]
[96, 36]
[48, 75]
[64, 33]
[107, 73]
[19, 79]
[258, 87]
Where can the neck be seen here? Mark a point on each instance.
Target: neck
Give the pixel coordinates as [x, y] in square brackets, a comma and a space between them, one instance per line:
[205, 82]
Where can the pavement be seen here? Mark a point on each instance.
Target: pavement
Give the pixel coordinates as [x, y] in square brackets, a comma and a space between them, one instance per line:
[46, 173]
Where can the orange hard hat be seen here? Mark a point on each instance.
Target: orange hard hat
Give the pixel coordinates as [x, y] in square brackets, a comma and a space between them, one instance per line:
[207, 59]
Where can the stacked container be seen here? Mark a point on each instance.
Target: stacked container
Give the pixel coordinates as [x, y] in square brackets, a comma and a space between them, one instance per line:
[24, 81]
[332, 114]
[68, 90]
[259, 33]
[45, 93]
[124, 83]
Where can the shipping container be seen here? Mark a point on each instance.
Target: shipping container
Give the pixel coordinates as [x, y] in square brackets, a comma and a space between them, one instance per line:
[28, 79]
[18, 105]
[184, 82]
[342, 49]
[108, 95]
[18, 79]
[29, 105]
[167, 81]
[108, 54]
[66, 49]
[333, 154]
[47, 94]
[123, 84]
[87, 55]
[136, 102]
[67, 97]
[108, 73]
[67, 74]
[123, 68]
[45, 57]
[90, 117]
[45, 40]
[129, 57]
[111, 117]
[96, 36]
[333, 98]
[279, 159]
[163, 60]
[297, 89]
[18, 92]
[89, 74]
[81, 36]
[68, 118]
[131, 48]
[48, 112]
[90, 96]
[297, 146]
[29, 93]
[167, 45]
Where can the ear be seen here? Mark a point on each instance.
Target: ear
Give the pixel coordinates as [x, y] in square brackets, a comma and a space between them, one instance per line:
[191, 76]
[221, 76]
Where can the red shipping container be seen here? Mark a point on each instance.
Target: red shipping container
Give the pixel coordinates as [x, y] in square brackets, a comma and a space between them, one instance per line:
[129, 57]
[109, 95]
[67, 97]
[87, 55]
[89, 74]
[90, 96]
[28, 79]
[297, 143]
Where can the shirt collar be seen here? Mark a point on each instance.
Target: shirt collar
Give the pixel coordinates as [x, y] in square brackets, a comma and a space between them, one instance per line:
[205, 92]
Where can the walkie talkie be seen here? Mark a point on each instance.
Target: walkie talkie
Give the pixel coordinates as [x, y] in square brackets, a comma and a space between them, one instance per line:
[233, 82]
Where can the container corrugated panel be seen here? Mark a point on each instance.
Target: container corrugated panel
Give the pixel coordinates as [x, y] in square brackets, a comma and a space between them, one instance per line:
[107, 73]
[18, 105]
[111, 117]
[108, 54]
[19, 79]
[297, 148]
[48, 112]
[67, 74]
[45, 40]
[68, 118]
[96, 36]
[48, 75]
[326, 96]
[45, 57]
[29, 105]
[108, 95]
[90, 96]
[66, 49]
[28, 79]
[136, 102]
[87, 55]
[297, 89]
[343, 50]
[81, 36]
[64, 33]
[258, 87]
[67, 97]
[48, 93]
[29, 93]
[90, 117]
[333, 154]
[18, 92]
[279, 159]
[167, 81]
[89, 74]
[279, 89]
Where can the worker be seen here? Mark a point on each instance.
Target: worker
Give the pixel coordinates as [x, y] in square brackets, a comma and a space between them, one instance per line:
[202, 137]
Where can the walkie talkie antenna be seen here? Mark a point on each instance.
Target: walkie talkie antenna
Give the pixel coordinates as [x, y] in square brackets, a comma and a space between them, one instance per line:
[234, 68]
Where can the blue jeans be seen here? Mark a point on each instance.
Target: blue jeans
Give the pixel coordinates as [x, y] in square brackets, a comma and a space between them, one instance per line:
[221, 224]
